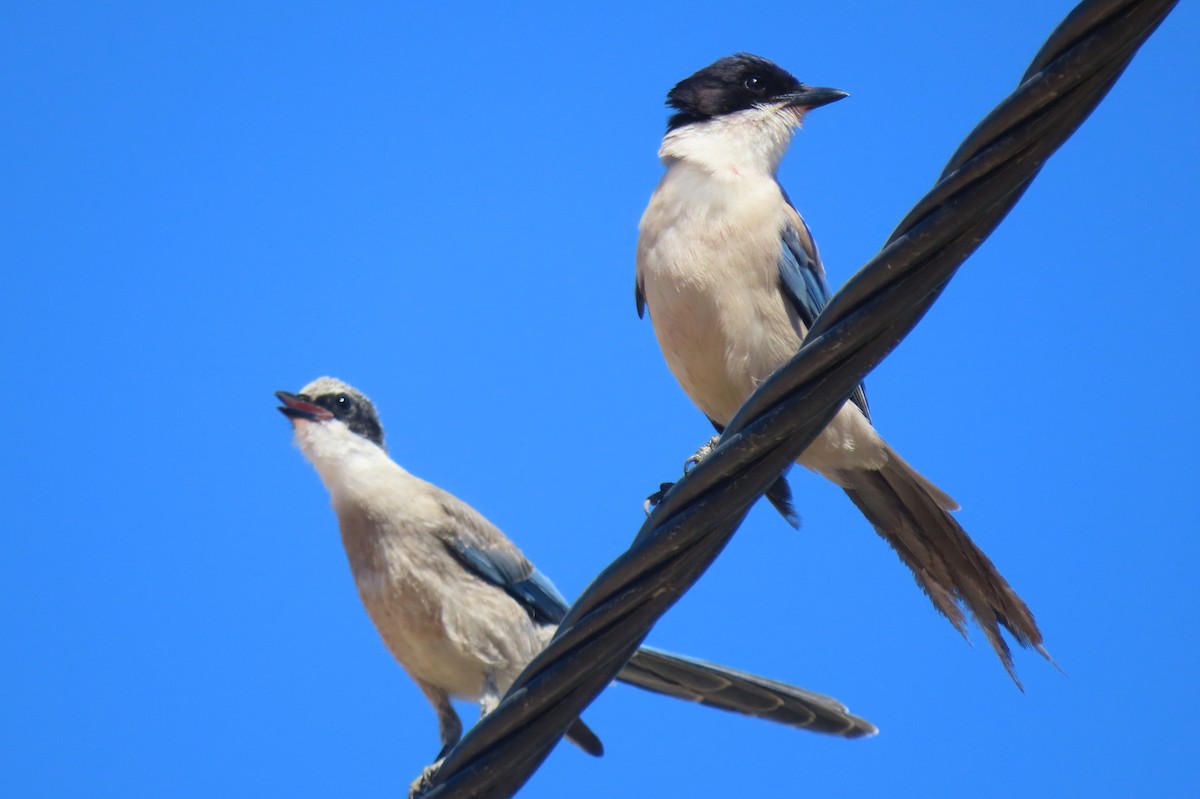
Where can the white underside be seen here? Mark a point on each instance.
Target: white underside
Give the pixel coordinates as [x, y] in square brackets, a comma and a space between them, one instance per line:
[708, 267]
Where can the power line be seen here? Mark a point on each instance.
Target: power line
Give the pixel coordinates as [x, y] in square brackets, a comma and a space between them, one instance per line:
[865, 320]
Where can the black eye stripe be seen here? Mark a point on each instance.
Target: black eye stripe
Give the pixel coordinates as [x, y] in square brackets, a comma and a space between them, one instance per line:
[340, 405]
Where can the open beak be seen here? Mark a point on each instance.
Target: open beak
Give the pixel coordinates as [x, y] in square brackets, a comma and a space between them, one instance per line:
[812, 97]
[297, 406]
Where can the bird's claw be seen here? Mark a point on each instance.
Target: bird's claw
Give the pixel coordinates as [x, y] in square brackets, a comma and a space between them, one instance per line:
[424, 780]
[688, 465]
[701, 454]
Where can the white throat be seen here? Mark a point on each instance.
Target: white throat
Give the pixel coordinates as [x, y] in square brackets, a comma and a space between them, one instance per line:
[349, 465]
[748, 143]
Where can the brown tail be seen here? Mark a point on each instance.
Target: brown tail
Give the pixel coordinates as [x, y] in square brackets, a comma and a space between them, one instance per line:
[913, 515]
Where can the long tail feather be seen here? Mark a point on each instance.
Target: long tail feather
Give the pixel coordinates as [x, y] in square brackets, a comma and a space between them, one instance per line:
[739, 692]
[913, 516]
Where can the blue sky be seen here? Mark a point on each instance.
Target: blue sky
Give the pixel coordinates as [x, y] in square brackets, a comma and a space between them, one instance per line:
[205, 203]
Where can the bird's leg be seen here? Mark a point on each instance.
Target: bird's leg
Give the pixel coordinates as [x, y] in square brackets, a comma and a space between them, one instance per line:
[688, 465]
[449, 730]
[449, 725]
[489, 697]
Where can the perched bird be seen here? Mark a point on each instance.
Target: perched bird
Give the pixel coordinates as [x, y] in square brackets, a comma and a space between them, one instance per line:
[733, 281]
[459, 606]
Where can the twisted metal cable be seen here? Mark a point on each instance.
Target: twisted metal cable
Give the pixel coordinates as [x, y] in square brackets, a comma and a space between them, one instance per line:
[865, 320]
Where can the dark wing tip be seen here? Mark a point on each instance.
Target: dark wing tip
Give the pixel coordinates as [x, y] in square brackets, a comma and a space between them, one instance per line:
[780, 495]
[582, 736]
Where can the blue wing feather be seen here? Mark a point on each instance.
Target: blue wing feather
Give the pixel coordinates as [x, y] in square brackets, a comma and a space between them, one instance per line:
[803, 281]
[528, 586]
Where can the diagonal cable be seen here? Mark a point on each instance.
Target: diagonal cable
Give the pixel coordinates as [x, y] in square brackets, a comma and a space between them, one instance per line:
[876, 308]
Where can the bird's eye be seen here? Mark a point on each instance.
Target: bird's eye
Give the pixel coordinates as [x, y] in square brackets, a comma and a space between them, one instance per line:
[345, 405]
[755, 84]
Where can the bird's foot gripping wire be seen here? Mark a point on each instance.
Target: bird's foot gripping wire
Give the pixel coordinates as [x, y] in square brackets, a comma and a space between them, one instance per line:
[425, 779]
[688, 465]
[779, 494]
[701, 454]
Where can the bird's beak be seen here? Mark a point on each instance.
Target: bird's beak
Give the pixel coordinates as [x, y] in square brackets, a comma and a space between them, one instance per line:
[812, 97]
[297, 406]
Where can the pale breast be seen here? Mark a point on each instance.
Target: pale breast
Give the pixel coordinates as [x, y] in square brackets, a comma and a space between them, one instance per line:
[708, 265]
[445, 626]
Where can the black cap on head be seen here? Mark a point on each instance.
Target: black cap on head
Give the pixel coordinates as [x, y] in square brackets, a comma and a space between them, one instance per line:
[738, 82]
